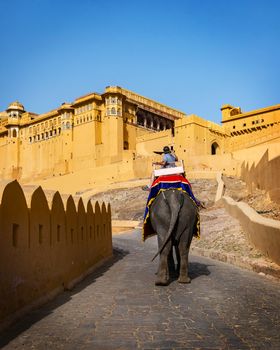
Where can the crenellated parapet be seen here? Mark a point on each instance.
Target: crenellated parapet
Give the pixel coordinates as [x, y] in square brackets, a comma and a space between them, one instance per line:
[47, 244]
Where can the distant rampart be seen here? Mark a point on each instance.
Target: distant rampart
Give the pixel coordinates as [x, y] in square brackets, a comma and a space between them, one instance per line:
[263, 170]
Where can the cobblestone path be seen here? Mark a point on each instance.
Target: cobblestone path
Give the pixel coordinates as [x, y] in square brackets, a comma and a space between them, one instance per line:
[119, 307]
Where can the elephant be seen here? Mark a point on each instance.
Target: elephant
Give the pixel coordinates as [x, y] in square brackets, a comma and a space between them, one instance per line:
[173, 216]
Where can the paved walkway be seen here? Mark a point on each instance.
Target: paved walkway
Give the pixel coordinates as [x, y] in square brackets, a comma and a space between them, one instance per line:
[118, 307]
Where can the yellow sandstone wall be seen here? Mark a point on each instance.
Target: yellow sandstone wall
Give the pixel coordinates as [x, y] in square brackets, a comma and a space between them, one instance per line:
[147, 143]
[45, 246]
[261, 168]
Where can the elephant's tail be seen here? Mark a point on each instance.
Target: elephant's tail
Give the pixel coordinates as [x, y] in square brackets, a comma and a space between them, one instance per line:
[175, 208]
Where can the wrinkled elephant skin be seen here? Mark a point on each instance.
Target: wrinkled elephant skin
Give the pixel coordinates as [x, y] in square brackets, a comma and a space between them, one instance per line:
[173, 217]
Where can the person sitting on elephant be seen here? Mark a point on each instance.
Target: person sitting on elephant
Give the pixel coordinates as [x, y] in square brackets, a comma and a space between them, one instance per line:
[168, 161]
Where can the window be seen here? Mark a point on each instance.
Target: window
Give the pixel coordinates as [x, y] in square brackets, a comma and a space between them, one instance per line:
[113, 110]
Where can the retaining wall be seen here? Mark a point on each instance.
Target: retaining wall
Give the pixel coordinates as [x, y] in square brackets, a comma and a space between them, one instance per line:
[45, 248]
[263, 233]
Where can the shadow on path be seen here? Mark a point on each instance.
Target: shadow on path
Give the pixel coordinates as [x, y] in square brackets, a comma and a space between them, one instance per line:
[39, 313]
[196, 270]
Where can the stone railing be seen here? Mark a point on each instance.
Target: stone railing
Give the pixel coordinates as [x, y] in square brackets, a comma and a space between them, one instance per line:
[46, 247]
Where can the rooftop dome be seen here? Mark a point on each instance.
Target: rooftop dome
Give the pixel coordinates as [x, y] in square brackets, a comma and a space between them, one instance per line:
[16, 106]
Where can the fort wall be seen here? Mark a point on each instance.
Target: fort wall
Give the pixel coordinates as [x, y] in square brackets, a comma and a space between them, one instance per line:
[148, 143]
[46, 246]
[110, 137]
[263, 169]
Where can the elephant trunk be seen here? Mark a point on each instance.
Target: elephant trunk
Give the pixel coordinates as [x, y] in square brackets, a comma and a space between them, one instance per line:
[174, 203]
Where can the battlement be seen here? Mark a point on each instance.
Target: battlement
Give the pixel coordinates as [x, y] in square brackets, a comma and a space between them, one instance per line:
[47, 245]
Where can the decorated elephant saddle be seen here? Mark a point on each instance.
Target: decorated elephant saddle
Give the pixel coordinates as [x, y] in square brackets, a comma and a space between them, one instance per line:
[160, 184]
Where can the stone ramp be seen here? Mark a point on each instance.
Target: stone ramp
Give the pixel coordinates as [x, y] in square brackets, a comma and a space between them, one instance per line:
[119, 307]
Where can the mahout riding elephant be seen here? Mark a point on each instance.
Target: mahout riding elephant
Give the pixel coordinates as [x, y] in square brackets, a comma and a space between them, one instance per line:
[173, 216]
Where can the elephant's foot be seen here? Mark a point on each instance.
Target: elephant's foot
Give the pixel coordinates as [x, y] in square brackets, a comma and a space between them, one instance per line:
[161, 282]
[184, 279]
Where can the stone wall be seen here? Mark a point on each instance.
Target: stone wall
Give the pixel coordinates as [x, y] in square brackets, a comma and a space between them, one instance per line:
[262, 232]
[263, 173]
[46, 247]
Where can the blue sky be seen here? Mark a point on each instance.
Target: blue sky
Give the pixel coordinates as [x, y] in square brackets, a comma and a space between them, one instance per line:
[193, 55]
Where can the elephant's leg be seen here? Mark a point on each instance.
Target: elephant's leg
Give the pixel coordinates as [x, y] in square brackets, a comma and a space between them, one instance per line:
[171, 262]
[177, 258]
[163, 273]
[184, 262]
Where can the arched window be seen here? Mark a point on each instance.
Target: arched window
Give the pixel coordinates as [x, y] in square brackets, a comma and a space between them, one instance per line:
[214, 148]
[113, 110]
[149, 123]
[14, 134]
[140, 119]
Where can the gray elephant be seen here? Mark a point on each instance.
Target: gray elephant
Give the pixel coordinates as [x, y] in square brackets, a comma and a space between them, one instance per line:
[174, 217]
